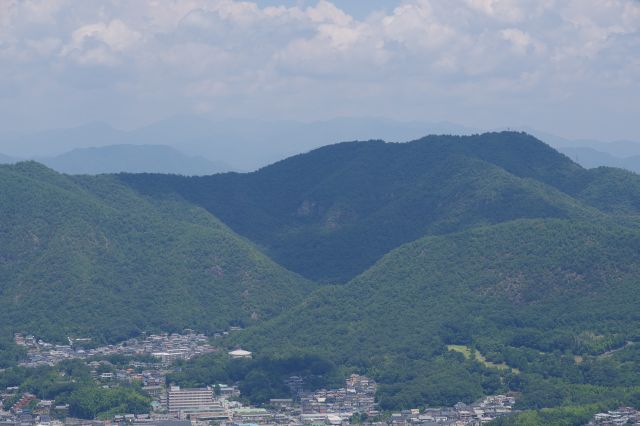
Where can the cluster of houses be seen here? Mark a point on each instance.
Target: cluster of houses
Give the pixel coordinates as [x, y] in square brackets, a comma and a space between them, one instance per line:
[219, 405]
[166, 347]
[28, 411]
[479, 413]
[150, 375]
[358, 396]
[334, 406]
[130, 420]
[206, 406]
[621, 416]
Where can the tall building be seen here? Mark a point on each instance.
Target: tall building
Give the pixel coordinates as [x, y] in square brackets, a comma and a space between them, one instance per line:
[180, 400]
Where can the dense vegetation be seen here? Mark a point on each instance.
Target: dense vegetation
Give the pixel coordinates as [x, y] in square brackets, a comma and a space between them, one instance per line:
[70, 382]
[454, 267]
[330, 214]
[10, 353]
[532, 294]
[562, 416]
[260, 379]
[86, 256]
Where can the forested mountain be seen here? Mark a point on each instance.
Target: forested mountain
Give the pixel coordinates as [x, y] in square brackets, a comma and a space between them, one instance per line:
[89, 257]
[529, 293]
[5, 159]
[493, 245]
[452, 267]
[493, 281]
[331, 213]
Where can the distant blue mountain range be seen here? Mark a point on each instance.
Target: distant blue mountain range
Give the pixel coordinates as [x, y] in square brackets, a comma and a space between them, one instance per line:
[128, 158]
[194, 145]
[134, 159]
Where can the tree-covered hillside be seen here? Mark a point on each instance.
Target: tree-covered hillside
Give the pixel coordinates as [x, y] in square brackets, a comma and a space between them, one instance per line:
[456, 267]
[528, 295]
[87, 256]
[331, 213]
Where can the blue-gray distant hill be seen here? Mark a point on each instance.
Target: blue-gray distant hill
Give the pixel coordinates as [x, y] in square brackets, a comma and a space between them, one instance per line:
[251, 144]
[590, 158]
[133, 159]
[244, 144]
[5, 159]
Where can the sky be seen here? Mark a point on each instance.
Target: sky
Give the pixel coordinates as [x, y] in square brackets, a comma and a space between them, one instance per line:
[570, 67]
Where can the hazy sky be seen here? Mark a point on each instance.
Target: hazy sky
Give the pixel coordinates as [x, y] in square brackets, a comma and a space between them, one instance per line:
[567, 66]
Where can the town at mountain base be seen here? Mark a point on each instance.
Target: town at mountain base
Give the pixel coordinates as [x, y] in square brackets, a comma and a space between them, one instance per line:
[445, 270]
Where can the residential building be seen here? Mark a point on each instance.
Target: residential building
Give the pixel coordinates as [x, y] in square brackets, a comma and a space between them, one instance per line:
[188, 399]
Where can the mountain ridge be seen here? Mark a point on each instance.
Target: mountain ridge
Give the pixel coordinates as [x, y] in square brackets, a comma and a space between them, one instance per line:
[251, 144]
[428, 250]
[527, 292]
[132, 159]
[315, 212]
[89, 256]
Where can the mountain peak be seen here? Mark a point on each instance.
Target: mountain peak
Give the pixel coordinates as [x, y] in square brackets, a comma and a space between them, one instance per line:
[315, 212]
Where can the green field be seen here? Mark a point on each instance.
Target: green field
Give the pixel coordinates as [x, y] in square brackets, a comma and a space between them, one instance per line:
[467, 352]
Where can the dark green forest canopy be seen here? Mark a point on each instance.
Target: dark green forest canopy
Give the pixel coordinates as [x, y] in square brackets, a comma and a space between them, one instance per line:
[494, 243]
[331, 213]
[531, 294]
[87, 256]
[530, 277]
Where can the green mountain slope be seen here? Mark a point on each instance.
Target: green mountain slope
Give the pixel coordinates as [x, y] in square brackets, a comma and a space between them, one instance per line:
[467, 265]
[531, 293]
[611, 190]
[88, 256]
[331, 213]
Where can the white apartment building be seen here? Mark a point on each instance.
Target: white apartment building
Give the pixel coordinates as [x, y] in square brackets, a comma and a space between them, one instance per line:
[188, 399]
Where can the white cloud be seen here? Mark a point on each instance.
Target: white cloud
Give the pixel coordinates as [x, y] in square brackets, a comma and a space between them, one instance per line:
[415, 25]
[115, 34]
[100, 42]
[326, 12]
[473, 50]
[522, 42]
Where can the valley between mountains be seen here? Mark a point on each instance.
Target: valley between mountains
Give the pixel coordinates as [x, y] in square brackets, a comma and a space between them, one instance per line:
[375, 258]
